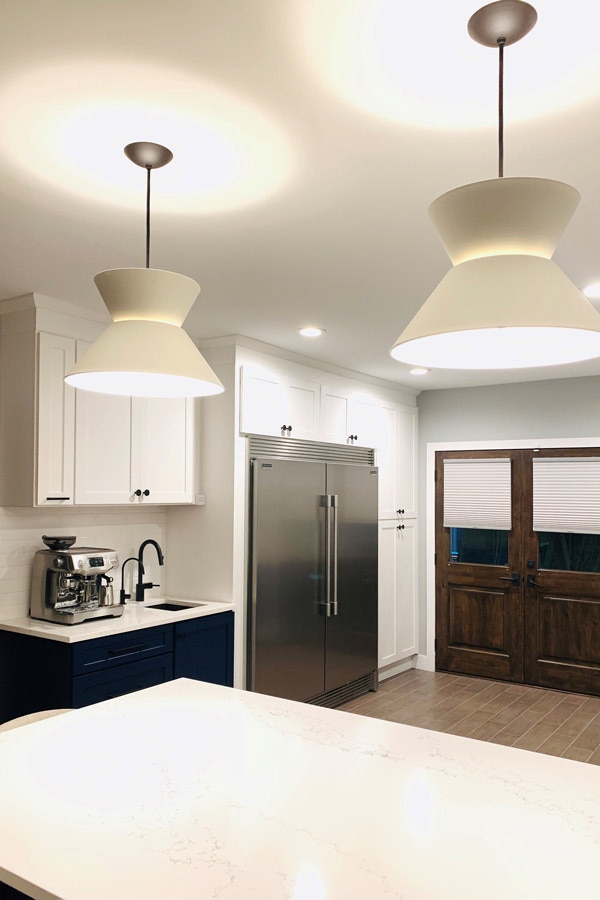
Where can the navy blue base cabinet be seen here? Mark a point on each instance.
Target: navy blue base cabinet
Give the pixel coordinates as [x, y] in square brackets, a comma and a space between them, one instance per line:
[45, 674]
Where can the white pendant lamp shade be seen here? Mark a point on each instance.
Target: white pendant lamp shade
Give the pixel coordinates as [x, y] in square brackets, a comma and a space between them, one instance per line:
[504, 304]
[145, 352]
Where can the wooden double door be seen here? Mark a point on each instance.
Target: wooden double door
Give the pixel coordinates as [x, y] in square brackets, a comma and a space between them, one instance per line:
[513, 606]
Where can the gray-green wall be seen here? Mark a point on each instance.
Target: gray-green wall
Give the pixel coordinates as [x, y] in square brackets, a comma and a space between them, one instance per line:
[564, 408]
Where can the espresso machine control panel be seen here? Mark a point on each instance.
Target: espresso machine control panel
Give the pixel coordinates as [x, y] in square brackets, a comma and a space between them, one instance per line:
[70, 584]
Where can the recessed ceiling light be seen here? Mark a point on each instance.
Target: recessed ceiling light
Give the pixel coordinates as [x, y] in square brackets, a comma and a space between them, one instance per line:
[420, 371]
[312, 332]
[592, 291]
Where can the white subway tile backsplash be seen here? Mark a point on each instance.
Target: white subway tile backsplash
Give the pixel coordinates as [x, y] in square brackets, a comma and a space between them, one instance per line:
[118, 528]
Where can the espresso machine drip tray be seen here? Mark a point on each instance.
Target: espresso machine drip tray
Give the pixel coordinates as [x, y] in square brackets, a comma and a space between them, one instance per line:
[74, 616]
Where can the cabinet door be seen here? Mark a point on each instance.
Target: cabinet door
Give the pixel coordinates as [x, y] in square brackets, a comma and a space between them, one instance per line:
[103, 447]
[56, 421]
[270, 401]
[364, 421]
[263, 408]
[204, 649]
[397, 460]
[397, 592]
[163, 449]
[335, 426]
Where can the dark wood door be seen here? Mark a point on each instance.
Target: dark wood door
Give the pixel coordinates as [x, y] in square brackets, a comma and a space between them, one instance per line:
[543, 626]
[562, 604]
[479, 615]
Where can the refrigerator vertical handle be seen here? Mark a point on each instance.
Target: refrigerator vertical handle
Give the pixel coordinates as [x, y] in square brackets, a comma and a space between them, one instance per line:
[326, 503]
[334, 555]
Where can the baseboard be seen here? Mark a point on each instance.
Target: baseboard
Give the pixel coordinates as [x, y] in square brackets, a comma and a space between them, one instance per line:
[426, 661]
[396, 668]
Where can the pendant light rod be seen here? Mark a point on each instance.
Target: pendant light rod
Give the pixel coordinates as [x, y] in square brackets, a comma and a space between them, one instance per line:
[148, 156]
[501, 43]
[148, 169]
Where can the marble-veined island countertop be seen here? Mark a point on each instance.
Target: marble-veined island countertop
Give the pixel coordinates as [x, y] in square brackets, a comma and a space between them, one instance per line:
[190, 791]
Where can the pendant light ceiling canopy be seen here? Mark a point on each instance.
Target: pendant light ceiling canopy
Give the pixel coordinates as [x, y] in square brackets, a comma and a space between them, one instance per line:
[145, 352]
[505, 304]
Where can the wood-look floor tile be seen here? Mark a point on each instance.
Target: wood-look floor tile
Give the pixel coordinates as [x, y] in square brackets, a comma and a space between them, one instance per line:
[595, 757]
[555, 745]
[535, 737]
[575, 724]
[578, 755]
[503, 738]
[485, 732]
[589, 738]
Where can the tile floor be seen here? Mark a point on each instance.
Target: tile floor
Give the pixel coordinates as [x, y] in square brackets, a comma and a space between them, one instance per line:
[516, 715]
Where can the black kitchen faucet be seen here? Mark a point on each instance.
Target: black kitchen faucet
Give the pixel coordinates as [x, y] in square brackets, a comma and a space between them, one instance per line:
[141, 585]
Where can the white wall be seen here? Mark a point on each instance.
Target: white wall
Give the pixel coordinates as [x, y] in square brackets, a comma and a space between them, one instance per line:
[118, 529]
[527, 411]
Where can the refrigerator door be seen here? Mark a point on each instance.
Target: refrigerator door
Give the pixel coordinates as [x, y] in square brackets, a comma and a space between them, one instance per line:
[287, 589]
[351, 630]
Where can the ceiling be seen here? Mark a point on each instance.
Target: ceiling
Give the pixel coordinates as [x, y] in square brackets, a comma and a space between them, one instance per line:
[309, 139]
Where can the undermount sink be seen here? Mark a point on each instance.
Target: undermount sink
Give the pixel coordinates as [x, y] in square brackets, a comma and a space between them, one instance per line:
[174, 607]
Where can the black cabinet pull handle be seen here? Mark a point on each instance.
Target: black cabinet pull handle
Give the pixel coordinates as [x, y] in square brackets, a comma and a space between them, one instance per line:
[124, 650]
[400, 512]
[58, 498]
[400, 527]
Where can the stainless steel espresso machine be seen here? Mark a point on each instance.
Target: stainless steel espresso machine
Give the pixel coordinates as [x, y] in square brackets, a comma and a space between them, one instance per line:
[70, 584]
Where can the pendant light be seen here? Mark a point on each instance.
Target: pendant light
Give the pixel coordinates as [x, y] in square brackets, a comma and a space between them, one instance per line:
[505, 304]
[145, 352]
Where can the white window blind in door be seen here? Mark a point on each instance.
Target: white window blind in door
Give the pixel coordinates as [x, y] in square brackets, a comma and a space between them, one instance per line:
[566, 494]
[477, 493]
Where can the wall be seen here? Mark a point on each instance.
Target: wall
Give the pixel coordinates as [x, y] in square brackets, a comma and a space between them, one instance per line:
[528, 411]
[119, 529]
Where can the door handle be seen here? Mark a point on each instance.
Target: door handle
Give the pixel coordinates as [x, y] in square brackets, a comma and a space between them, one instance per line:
[515, 578]
[334, 555]
[531, 582]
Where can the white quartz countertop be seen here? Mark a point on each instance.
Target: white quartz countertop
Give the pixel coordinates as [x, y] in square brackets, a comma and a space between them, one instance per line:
[135, 616]
[193, 791]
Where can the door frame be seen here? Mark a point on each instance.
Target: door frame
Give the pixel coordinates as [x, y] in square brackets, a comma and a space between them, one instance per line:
[427, 660]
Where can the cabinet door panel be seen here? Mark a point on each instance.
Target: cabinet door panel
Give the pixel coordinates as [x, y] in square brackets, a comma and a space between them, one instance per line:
[263, 405]
[204, 649]
[102, 447]
[56, 421]
[162, 442]
[303, 402]
[334, 416]
[397, 460]
[397, 592]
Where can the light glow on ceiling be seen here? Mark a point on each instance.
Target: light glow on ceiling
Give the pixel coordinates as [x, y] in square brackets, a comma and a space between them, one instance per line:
[67, 124]
[417, 65]
[592, 291]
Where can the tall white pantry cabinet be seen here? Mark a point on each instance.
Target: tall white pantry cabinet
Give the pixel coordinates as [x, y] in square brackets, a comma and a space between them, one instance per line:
[287, 397]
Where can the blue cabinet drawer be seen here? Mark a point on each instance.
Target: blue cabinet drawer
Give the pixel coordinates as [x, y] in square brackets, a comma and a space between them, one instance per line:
[103, 653]
[119, 680]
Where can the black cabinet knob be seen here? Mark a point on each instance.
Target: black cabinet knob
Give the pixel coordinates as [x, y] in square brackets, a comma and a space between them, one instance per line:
[400, 527]
[146, 493]
[138, 493]
[400, 512]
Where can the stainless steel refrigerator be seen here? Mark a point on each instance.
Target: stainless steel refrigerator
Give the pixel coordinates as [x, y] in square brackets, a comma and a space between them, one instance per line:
[312, 624]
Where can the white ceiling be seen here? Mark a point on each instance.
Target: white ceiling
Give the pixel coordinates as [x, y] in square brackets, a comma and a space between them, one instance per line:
[309, 138]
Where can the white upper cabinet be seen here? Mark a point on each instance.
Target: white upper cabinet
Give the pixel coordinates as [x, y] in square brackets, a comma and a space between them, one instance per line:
[397, 461]
[36, 415]
[56, 421]
[276, 404]
[133, 450]
[348, 417]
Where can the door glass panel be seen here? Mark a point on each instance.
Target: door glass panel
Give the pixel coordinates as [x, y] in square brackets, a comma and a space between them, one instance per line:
[569, 552]
[487, 547]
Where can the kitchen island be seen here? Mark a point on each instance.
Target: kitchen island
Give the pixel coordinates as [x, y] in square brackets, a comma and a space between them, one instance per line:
[190, 791]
